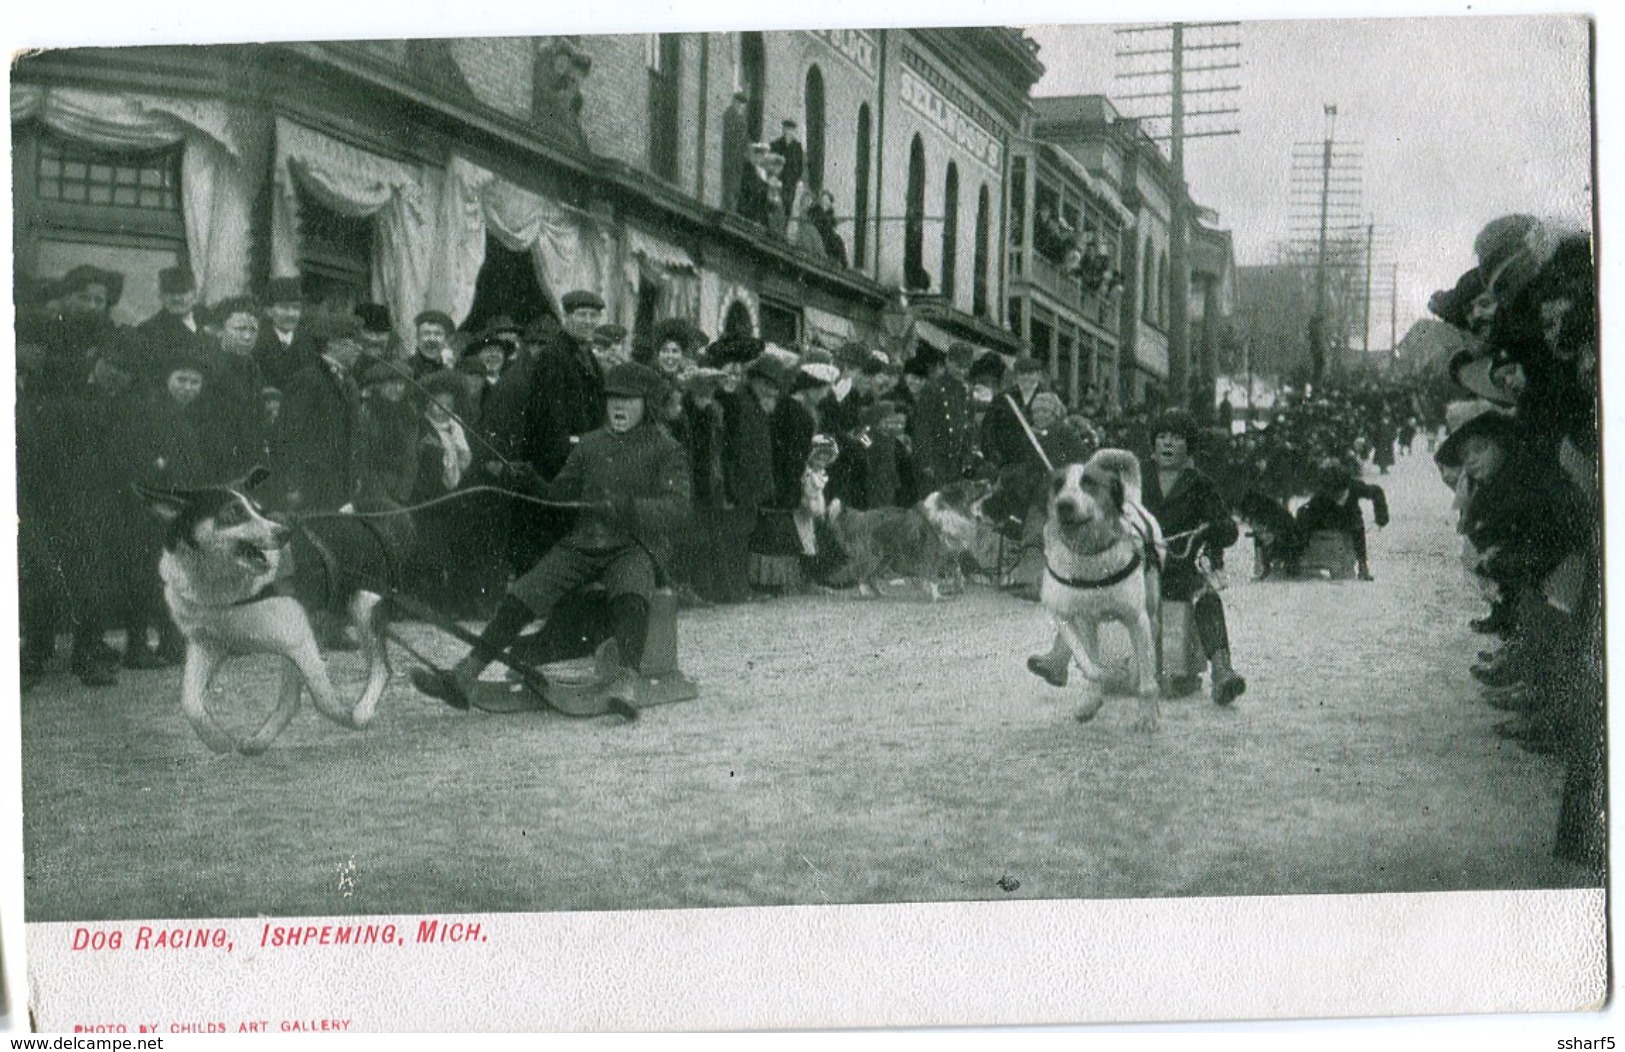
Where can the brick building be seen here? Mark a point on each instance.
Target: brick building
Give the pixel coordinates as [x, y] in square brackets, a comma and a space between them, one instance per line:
[475, 175]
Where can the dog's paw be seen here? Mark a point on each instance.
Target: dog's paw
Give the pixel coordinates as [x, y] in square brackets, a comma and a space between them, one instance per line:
[1088, 710]
[254, 747]
[1055, 677]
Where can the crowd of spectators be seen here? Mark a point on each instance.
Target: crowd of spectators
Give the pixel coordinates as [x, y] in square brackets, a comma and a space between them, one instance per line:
[347, 418]
[1522, 460]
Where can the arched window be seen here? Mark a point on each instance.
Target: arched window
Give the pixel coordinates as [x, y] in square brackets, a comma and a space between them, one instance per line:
[950, 230]
[860, 200]
[978, 288]
[753, 80]
[814, 101]
[914, 275]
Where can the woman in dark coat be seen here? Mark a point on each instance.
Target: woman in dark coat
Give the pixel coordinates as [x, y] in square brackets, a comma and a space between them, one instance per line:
[775, 546]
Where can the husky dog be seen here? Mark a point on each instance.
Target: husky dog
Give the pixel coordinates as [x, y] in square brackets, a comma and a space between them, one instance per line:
[1102, 558]
[237, 583]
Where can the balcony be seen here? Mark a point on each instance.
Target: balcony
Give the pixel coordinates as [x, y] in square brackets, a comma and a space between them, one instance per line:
[1052, 279]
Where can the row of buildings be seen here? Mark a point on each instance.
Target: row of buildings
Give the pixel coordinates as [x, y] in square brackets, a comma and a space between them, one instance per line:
[484, 175]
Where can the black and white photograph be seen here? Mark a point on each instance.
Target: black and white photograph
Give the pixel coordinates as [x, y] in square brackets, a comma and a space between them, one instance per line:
[707, 505]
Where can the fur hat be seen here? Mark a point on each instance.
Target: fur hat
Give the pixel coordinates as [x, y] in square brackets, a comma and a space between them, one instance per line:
[961, 354]
[1026, 365]
[581, 298]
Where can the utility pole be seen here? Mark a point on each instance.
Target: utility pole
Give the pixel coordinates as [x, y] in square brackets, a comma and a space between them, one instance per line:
[1370, 238]
[1182, 390]
[1393, 317]
[1329, 233]
[1317, 321]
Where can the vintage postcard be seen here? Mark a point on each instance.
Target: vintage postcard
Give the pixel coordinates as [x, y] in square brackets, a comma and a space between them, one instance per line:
[677, 525]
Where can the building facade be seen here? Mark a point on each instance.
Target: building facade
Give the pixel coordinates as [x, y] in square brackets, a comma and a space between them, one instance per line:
[484, 175]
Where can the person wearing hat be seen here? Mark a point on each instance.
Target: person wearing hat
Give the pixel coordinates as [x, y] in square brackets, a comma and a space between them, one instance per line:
[316, 443]
[633, 482]
[431, 351]
[506, 332]
[753, 185]
[1004, 441]
[174, 331]
[286, 343]
[377, 330]
[609, 345]
[540, 410]
[166, 439]
[1335, 506]
[788, 146]
[231, 427]
[944, 423]
[388, 426]
[1183, 501]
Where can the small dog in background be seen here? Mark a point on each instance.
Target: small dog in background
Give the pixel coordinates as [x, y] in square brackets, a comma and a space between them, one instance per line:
[1278, 542]
[924, 542]
[237, 582]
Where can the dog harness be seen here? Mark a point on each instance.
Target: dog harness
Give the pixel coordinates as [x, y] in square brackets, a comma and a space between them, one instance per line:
[1105, 582]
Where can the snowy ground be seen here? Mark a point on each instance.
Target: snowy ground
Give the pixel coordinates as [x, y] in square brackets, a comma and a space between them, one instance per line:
[841, 751]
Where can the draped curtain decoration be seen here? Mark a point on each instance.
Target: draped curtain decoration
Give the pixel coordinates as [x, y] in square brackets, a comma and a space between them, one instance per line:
[355, 183]
[667, 267]
[569, 249]
[217, 186]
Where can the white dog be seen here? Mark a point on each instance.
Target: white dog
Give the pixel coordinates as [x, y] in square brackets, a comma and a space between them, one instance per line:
[1102, 553]
[231, 589]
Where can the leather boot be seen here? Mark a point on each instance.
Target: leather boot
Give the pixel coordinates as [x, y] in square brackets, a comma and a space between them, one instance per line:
[1228, 685]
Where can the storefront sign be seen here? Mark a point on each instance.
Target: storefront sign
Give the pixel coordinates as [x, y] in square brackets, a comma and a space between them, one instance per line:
[857, 46]
[930, 103]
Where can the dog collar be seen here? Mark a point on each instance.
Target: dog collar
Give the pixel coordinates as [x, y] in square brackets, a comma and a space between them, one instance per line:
[1104, 582]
